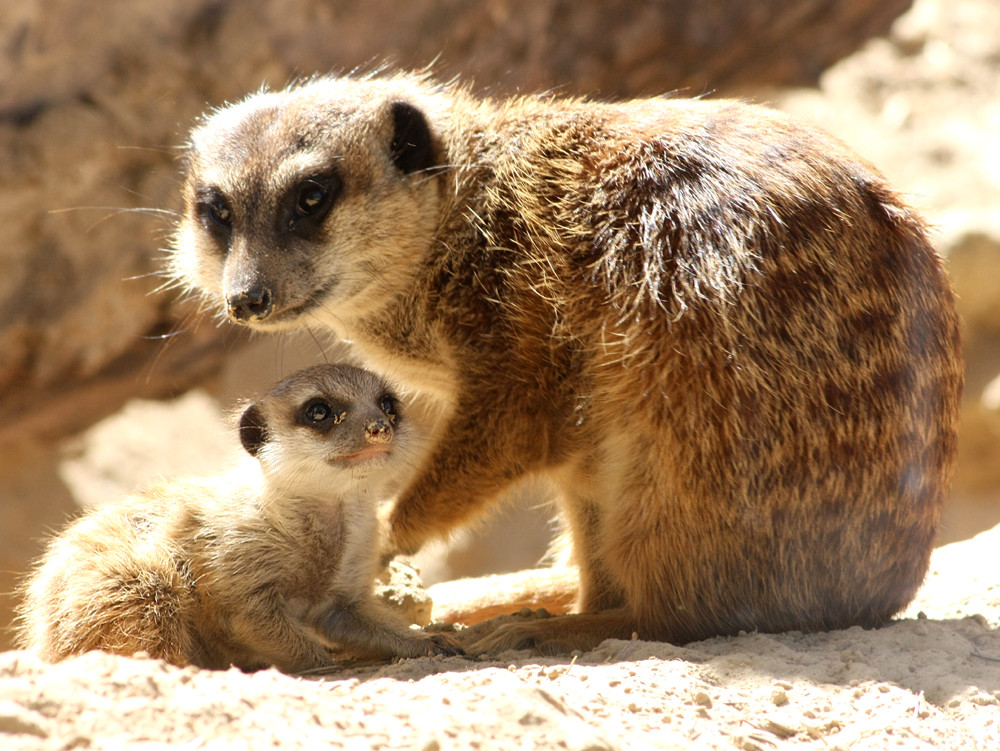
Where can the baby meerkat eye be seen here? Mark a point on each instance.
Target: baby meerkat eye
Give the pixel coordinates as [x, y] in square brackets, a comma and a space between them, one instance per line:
[220, 213]
[309, 203]
[320, 414]
[316, 410]
[215, 212]
[390, 407]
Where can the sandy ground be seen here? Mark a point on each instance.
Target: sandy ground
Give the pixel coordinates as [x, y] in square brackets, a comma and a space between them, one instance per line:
[929, 680]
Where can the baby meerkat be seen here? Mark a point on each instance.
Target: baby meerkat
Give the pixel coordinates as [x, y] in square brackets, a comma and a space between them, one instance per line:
[720, 333]
[272, 564]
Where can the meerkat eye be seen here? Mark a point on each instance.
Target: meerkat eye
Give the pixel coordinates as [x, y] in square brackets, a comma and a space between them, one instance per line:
[219, 213]
[320, 414]
[215, 212]
[316, 411]
[315, 195]
[389, 406]
[311, 198]
[310, 202]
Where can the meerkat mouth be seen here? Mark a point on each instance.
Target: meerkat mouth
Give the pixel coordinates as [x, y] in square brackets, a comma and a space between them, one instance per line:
[315, 300]
[364, 456]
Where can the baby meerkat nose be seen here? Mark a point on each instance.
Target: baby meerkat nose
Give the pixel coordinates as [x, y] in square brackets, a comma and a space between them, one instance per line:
[378, 431]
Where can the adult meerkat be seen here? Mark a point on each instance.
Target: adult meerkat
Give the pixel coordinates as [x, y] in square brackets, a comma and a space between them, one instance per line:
[272, 564]
[720, 332]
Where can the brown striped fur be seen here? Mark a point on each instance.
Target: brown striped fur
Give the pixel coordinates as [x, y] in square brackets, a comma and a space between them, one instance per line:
[722, 335]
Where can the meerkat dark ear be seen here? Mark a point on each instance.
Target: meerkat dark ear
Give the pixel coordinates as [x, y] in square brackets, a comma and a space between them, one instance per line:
[253, 430]
[411, 147]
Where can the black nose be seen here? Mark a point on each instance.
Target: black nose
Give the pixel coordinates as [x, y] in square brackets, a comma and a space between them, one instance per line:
[252, 304]
[378, 431]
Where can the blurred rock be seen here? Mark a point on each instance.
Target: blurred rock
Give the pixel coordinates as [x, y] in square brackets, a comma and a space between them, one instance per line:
[33, 504]
[400, 588]
[146, 441]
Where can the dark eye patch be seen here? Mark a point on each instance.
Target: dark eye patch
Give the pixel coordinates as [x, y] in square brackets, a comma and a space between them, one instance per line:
[309, 202]
[214, 212]
[320, 414]
[213, 209]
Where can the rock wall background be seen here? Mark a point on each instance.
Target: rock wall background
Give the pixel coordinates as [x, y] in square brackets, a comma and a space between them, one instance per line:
[95, 98]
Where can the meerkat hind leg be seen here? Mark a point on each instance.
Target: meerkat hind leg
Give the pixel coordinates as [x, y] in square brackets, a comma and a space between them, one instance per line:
[272, 638]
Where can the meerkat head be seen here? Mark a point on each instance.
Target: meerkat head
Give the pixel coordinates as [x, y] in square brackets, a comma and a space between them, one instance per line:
[323, 428]
[310, 204]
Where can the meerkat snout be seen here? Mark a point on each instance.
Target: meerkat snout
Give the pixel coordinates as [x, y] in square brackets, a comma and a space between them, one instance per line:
[378, 431]
[251, 304]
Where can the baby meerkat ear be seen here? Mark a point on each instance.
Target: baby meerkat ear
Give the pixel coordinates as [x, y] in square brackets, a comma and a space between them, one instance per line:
[253, 430]
[412, 150]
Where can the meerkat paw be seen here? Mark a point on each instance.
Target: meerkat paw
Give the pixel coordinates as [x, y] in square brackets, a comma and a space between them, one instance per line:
[441, 639]
[419, 643]
[548, 634]
[406, 528]
[502, 634]
[446, 645]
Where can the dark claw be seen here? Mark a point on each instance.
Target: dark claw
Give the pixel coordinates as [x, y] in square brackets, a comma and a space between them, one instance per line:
[445, 646]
